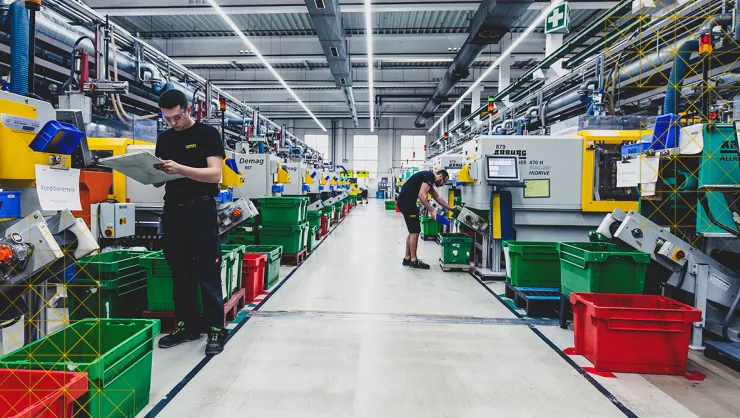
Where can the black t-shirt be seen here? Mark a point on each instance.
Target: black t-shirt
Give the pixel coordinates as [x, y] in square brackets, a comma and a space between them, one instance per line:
[191, 148]
[410, 189]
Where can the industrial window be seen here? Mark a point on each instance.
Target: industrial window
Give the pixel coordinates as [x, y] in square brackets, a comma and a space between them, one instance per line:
[366, 154]
[319, 143]
[412, 150]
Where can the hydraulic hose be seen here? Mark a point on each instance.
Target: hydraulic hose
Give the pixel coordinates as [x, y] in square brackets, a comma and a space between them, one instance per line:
[19, 52]
[72, 60]
[678, 73]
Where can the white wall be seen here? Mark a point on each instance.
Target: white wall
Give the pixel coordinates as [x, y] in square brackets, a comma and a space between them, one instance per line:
[389, 139]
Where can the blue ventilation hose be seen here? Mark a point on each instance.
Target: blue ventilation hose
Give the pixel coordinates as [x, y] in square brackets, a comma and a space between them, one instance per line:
[678, 73]
[19, 48]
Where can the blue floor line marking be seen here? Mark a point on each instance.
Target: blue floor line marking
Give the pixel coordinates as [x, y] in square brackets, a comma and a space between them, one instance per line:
[604, 391]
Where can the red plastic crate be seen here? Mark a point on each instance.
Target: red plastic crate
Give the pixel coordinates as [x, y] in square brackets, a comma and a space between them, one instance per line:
[324, 226]
[253, 275]
[39, 393]
[633, 333]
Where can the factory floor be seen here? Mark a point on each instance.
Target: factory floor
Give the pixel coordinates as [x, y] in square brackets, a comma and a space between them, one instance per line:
[353, 333]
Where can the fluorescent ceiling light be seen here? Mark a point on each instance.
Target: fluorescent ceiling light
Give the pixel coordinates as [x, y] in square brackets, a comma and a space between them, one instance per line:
[370, 67]
[251, 47]
[503, 56]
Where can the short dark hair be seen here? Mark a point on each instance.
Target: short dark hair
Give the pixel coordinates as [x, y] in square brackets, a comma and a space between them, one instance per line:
[444, 174]
[173, 98]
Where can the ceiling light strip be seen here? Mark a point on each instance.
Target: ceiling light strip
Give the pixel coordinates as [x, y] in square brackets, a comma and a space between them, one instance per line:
[370, 66]
[504, 55]
[256, 52]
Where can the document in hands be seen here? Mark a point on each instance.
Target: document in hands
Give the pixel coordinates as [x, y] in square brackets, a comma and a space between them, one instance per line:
[140, 167]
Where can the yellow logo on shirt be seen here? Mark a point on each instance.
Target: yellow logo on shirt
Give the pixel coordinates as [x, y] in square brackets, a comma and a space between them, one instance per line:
[190, 146]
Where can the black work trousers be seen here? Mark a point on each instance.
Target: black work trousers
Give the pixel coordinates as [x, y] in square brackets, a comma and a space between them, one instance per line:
[193, 251]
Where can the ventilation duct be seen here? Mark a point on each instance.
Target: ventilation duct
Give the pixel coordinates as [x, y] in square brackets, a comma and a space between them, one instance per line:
[489, 24]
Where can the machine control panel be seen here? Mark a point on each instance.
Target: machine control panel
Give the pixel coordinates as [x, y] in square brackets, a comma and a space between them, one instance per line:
[113, 220]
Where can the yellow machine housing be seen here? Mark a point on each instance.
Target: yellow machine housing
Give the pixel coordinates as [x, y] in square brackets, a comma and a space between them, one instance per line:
[609, 137]
[17, 160]
[282, 176]
[114, 147]
[308, 179]
[230, 178]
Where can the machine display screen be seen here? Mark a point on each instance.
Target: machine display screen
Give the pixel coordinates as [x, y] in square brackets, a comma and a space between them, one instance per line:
[502, 168]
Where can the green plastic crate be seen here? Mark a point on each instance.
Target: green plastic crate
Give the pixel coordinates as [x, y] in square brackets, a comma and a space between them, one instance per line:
[314, 218]
[292, 238]
[274, 254]
[455, 248]
[116, 354]
[312, 238]
[601, 268]
[159, 288]
[238, 252]
[429, 227]
[283, 210]
[328, 211]
[533, 264]
[108, 285]
[390, 205]
[338, 210]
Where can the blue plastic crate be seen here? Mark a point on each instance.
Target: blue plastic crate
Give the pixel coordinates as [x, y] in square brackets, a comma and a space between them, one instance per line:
[10, 205]
[225, 196]
[666, 132]
[380, 194]
[57, 138]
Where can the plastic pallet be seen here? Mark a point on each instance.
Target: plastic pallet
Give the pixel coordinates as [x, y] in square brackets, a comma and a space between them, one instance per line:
[565, 311]
[542, 305]
[725, 352]
[521, 292]
[294, 259]
[453, 267]
[231, 308]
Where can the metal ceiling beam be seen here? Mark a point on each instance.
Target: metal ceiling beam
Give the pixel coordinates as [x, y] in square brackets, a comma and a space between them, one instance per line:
[228, 59]
[176, 7]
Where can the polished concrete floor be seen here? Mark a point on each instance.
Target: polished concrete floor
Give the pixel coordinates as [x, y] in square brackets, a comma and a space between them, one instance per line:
[352, 333]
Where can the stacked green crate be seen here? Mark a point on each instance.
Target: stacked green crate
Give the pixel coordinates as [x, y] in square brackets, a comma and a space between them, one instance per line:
[390, 205]
[532, 264]
[284, 223]
[312, 238]
[159, 287]
[600, 267]
[274, 254]
[237, 251]
[108, 285]
[314, 218]
[116, 354]
[328, 211]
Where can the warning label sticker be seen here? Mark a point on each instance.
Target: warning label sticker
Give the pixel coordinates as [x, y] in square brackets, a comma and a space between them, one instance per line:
[719, 282]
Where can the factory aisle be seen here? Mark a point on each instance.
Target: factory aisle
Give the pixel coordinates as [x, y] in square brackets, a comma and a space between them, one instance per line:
[353, 333]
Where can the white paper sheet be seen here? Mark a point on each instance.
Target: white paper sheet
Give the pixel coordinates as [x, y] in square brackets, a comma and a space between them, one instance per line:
[691, 140]
[140, 167]
[627, 173]
[58, 189]
[648, 189]
[649, 167]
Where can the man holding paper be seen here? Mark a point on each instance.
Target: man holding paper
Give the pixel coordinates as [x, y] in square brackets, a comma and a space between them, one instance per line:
[191, 244]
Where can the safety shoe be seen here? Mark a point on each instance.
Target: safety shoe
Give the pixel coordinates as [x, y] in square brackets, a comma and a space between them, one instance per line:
[406, 261]
[418, 264]
[178, 336]
[216, 341]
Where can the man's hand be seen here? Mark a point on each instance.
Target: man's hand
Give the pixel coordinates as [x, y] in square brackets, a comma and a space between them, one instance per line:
[169, 167]
[433, 214]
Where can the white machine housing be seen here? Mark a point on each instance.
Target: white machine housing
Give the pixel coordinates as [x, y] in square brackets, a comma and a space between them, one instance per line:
[113, 220]
[260, 171]
[297, 171]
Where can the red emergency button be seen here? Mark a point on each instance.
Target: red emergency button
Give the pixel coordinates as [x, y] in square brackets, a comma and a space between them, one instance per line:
[680, 255]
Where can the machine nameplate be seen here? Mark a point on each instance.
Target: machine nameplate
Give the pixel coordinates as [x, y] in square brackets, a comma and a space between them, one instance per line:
[18, 123]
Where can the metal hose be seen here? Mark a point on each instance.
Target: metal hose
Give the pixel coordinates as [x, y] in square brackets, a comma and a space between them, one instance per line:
[19, 52]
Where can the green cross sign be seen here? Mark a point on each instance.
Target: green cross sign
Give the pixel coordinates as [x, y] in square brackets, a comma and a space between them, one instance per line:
[558, 19]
